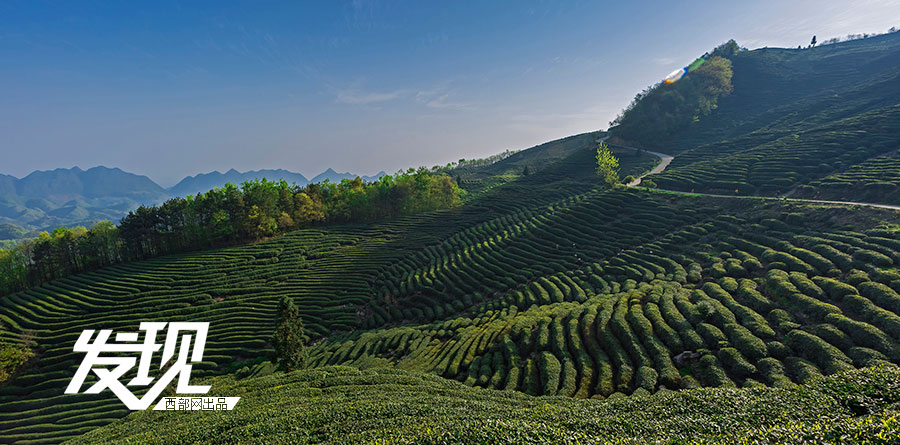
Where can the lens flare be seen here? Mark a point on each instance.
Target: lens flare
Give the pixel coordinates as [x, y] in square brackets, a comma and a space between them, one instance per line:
[681, 72]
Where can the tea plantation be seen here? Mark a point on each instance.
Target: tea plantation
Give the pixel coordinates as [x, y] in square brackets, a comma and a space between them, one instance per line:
[876, 180]
[329, 272]
[346, 405]
[795, 116]
[546, 307]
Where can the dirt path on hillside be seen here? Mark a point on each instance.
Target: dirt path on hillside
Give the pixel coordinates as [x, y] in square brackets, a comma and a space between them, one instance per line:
[665, 160]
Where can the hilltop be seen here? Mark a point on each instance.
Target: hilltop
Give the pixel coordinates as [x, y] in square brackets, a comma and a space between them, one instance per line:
[793, 117]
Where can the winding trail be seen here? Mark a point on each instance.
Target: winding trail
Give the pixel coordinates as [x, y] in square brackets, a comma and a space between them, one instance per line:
[665, 160]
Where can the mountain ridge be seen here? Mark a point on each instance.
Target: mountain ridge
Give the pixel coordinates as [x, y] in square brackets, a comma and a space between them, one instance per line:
[46, 199]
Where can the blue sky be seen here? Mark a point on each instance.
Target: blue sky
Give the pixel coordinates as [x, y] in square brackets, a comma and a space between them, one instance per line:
[169, 89]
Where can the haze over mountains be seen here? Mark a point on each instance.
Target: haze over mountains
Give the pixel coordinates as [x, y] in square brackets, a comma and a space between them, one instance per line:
[48, 199]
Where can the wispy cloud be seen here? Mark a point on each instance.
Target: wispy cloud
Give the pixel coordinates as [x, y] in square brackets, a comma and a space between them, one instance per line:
[359, 97]
[663, 61]
[439, 97]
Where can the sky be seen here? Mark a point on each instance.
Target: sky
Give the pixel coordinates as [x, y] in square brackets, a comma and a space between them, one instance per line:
[170, 89]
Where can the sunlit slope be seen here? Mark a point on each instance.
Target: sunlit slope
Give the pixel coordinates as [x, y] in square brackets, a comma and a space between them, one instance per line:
[345, 405]
[794, 116]
[755, 300]
[329, 272]
[545, 284]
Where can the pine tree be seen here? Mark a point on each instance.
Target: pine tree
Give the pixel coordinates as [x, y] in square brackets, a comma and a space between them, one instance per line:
[288, 337]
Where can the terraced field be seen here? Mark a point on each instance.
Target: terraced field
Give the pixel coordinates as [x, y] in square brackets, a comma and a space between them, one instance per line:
[662, 298]
[794, 118]
[329, 272]
[744, 167]
[545, 284]
[876, 180]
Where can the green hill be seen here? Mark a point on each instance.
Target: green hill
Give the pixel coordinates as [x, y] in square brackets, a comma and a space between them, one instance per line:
[549, 286]
[546, 285]
[794, 116]
[346, 405]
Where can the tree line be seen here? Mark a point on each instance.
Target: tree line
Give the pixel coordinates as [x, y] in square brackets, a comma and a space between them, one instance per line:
[222, 216]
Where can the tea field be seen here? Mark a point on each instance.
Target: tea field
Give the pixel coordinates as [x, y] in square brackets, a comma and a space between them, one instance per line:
[794, 118]
[344, 405]
[876, 180]
[547, 307]
[329, 272]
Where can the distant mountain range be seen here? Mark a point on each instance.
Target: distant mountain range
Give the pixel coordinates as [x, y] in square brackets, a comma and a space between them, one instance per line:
[67, 197]
[208, 181]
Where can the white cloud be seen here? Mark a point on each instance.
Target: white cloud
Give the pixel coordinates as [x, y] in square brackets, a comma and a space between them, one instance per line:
[358, 97]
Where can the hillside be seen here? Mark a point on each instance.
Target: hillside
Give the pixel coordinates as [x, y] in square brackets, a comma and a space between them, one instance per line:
[794, 116]
[547, 284]
[682, 317]
[63, 197]
[338, 405]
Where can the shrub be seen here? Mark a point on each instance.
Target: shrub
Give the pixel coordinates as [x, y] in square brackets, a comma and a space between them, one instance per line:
[568, 382]
[711, 372]
[735, 362]
[802, 370]
[646, 378]
[863, 357]
[832, 335]
[881, 295]
[887, 321]
[835, 290]
[778, 350]
[826, 356]
[711, 334]
[532, 383]
[662, 330]
[864, 334]
[863, 257]
[856, 277]
[749, 344]
[773, 372]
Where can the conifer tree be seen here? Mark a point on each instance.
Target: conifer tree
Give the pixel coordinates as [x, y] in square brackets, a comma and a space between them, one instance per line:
[288, 338]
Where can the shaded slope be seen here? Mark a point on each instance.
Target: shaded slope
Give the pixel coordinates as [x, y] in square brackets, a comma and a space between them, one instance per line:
[794, 116]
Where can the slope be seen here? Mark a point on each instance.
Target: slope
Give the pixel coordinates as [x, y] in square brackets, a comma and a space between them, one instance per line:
[794, 116]
[329, 272]
[338, 405]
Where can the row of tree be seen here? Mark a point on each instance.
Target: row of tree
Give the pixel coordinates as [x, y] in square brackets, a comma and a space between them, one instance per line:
[222, 216]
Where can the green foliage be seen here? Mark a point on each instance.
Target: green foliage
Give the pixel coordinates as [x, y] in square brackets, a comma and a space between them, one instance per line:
[12, 356]
[288, 337]
[664, 110]
[255, 210]
[338, 405]
[10, 231]
[494, 296]
[607, 165]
